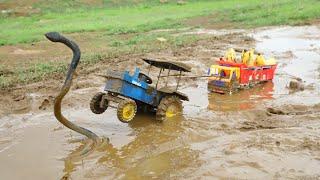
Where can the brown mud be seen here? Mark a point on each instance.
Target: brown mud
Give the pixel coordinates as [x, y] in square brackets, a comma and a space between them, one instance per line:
[18, 8]
[260, 133]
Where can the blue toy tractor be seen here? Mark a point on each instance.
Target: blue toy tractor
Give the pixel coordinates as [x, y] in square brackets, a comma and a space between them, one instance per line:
[136, 92]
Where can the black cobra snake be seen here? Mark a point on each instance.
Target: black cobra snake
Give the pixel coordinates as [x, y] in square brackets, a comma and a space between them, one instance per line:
[56, 37]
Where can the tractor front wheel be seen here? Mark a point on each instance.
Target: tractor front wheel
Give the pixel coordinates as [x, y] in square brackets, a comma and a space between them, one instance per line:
[95, 104]
[169, 106]
[127, 110]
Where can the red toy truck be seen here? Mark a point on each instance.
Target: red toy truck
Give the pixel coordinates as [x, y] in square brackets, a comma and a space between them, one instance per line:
[229, 77]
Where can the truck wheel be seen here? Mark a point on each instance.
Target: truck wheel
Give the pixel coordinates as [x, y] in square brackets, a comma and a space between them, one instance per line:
[169, 106]
[232, 88]
[95, 104]
[127, 110]
[233, 84]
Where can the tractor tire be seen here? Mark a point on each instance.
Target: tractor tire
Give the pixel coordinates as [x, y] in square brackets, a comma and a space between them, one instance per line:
[127, 110]
[95, 104]
[169, 106]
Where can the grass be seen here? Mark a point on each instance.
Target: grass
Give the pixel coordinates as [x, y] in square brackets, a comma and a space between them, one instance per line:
[285, 12]
[36, 72]
[149, 16]
[63, 5]
[126, 25]
[119, 46]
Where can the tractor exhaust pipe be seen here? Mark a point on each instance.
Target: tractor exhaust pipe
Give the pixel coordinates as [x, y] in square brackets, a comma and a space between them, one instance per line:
[56, 37]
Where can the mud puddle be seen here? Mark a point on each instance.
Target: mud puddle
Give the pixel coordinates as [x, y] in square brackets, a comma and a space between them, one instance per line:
[217, 136]
[297, 50]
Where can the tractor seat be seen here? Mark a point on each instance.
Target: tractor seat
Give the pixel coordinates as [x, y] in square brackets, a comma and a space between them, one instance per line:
[145, 78]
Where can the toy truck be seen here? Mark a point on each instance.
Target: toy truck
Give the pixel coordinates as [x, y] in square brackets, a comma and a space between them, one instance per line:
[229, 77]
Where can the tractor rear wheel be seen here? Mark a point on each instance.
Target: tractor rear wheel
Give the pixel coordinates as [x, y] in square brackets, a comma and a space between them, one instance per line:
[127, 110]
[95, 104]
[169, 106]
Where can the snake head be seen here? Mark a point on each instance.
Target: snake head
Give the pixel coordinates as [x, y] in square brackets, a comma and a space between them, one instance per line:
[53, 36]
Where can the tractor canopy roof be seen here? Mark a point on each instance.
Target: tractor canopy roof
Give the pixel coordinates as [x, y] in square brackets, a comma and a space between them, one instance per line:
[172, 65]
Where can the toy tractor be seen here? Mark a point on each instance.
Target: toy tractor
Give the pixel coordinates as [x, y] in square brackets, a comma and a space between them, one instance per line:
[136, 92]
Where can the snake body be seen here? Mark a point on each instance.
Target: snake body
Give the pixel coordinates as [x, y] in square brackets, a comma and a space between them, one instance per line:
[56, 37]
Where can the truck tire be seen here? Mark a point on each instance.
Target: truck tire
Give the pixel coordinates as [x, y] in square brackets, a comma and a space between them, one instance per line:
[169, 106]
[95, 104]
[127, 110]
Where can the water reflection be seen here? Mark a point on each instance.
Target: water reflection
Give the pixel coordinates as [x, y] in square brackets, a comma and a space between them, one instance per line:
[158, 150]
[242, 100]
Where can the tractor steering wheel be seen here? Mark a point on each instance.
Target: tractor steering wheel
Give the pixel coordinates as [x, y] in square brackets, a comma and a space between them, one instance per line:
[145, 78]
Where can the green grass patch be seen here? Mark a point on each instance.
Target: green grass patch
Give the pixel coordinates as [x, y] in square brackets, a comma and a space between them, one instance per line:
[127, 26]
[152, 15]
[120, 45]
[69, 5]
[36, 72]
[39, 71]
[284, 12]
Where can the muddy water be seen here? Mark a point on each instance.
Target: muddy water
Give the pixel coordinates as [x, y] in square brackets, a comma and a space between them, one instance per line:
[217, 136]
[298, 52]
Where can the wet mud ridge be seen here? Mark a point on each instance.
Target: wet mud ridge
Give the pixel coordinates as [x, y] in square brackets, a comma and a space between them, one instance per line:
[265, 132]
[294, 110]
